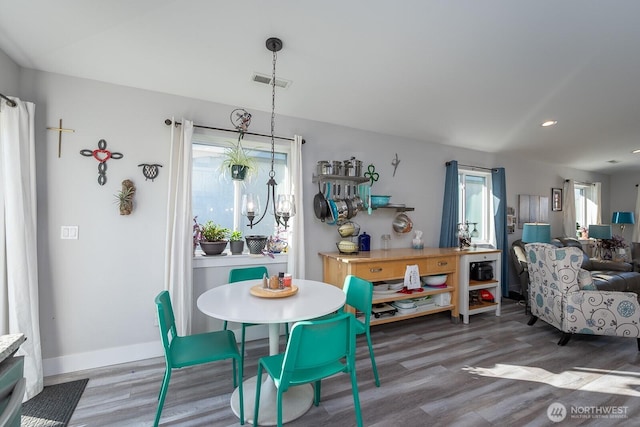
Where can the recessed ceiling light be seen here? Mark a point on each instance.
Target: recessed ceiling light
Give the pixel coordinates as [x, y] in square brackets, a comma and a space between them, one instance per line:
[636, 151]
[549, 123]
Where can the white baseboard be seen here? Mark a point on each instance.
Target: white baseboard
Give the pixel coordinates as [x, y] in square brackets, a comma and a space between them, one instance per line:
[116, 355]
[101, 358]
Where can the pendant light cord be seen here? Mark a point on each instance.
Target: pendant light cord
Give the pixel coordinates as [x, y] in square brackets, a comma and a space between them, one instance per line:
[288, 210]
[273, 113]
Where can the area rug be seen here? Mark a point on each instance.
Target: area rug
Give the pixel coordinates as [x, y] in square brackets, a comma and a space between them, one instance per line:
[54, 406]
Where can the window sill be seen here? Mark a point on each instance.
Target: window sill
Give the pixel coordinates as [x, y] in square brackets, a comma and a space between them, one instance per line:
[226, 259]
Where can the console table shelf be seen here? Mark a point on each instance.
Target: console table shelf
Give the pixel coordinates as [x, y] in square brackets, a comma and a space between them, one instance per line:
[400, 296]
[418, 313]
[383, 265]
[467, 284]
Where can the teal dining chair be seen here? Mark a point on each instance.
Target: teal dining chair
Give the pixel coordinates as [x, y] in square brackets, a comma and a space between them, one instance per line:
[248, 273]
[316, 349]
[359, 294]
[190, 350]
[239, 275]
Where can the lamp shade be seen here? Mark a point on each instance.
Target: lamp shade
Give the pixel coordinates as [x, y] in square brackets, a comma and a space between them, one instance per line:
[623, 218]
[600, 231]
[536, 232]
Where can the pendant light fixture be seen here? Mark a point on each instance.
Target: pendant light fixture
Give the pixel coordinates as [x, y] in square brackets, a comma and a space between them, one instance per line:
[283, 207]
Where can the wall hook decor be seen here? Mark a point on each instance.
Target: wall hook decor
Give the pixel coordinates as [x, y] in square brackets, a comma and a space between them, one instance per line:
[150, 171]
[395, 162]
[102, 155]
[372, 174]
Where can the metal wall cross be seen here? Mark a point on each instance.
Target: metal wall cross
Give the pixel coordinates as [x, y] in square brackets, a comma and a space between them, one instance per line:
[60, 129]
[102, 155]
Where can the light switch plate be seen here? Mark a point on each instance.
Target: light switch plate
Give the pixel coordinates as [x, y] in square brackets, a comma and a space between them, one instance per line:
[69, 232]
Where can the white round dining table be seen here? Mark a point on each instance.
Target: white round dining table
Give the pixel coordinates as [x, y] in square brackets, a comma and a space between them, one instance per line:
[234, 302]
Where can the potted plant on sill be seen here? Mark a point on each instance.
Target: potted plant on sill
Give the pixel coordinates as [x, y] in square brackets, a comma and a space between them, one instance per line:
[236, 244]
[256, 243]
[213, 238]
[237, 161]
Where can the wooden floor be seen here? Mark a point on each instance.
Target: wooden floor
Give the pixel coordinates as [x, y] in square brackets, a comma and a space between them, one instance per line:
[493, 371]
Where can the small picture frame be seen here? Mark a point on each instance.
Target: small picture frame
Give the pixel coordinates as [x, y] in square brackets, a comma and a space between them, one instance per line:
[556, 199]
[511, 220]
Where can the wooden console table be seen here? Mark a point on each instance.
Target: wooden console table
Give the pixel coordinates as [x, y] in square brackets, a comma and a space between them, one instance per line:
[381, 265]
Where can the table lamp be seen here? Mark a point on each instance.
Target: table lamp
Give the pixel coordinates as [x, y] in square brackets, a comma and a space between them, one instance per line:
[599, 232]
[536, 232]
[623, 218]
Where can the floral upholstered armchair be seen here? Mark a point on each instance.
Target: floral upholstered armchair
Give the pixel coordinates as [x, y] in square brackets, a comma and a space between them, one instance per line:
[563, 295]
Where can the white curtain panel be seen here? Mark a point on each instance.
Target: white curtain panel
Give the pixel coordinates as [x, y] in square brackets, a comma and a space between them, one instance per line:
[178, 276]
[19, 307]
[296, 264]
[493, 239]
[594, 207]
[568, 209]
[636, 227]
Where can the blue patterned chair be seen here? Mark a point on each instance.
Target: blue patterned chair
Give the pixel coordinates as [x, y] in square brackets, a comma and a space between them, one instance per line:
[563, 295]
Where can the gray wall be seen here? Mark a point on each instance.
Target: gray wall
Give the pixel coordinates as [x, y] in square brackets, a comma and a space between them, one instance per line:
[9, 75]
[534, 178]
[623, 198]
[96, 293]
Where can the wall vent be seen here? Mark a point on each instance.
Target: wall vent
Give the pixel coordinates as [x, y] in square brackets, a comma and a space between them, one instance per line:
[266, 79]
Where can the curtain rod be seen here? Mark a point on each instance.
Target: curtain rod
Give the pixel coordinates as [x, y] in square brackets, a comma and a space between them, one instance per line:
[11, 102]
[474, 167]
[168, 123]
[579, 182]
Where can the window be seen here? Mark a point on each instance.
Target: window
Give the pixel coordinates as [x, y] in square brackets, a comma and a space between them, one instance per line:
[216, 197]
[586, 197]
[474, 203]
[581, 205]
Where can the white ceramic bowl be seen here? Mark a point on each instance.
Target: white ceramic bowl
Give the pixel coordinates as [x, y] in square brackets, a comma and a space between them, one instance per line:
[396, 286]
[404, 304]
[435, 280]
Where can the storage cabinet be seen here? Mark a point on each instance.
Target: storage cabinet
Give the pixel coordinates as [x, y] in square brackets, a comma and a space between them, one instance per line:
[381, 265]
[468, 284]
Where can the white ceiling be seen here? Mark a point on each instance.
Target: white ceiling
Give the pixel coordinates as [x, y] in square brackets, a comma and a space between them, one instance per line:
[480, 74]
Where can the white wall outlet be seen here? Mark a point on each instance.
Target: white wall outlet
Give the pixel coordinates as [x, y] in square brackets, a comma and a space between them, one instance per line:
[69, 232]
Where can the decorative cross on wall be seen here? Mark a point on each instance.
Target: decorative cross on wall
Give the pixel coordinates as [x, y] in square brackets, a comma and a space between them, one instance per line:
[102, 155]
[60, 129]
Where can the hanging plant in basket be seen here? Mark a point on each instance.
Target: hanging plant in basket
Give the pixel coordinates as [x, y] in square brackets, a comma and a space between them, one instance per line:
[237, 161]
